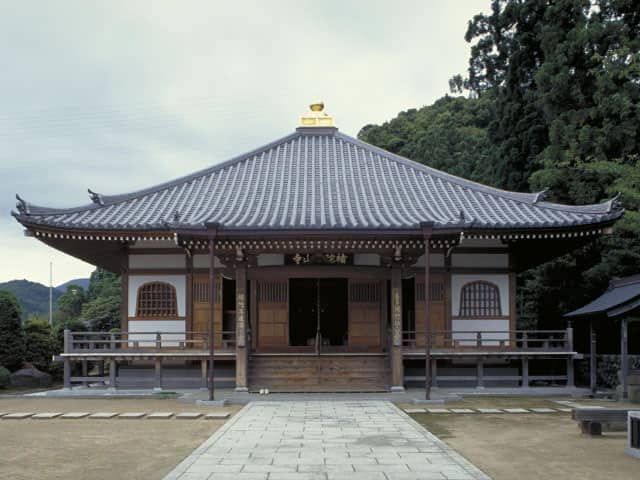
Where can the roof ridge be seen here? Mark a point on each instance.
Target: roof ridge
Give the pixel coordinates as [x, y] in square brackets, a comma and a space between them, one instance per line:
[112, 199]
[523, 197]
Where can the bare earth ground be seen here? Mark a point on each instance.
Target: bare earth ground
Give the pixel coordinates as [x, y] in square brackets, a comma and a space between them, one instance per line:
[532, 446]
[98, 449]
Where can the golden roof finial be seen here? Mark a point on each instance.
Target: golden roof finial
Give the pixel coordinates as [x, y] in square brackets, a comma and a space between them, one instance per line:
[317, 117]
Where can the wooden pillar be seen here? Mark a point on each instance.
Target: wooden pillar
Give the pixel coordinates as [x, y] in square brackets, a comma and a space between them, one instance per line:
[124, 283]
[525, 372]
[203, 374]
[66, 365]
[157, 383]
[593, 365]
[397, 371]
[434, 373]
[426, 229]
[241, 328]
[624, 361]
[85, 373]
[113, 372]
[253, 313]
[480, 374]
[571, 382]
[212, 301]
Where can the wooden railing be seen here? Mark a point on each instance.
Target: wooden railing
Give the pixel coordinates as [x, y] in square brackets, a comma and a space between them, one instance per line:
[528, 340]
[103, 342]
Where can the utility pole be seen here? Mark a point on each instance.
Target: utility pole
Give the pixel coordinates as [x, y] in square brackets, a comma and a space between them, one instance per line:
[51, 293]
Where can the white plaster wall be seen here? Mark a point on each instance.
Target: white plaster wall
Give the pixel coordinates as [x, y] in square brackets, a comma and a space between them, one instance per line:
[435, 260]
[480, 260]
[371, 259]
[202, 261]
[270, 259]
[178, 281]
[458, 281]
[480, 325]
[157, 261]
[148, 339]
[153, 244]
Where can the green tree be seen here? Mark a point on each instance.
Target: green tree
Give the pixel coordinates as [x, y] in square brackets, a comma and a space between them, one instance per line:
[566, 78]
[40, 344]
[70, 304]
[11, 334]
[101, 312]
[450, 135]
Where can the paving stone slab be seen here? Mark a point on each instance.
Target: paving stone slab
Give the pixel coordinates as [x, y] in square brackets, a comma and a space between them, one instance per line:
[366, 440]
[438, 410]
[565, 410]
[216, 415]
[46, 415]
[188, 415]
[490, 410]
[74, 415]
[543, 410]
[414, 410]
[516, 410]
[103, 415]
[2, 414]
[462, 410]
[132, 415]
[160, 416]
[17, 416]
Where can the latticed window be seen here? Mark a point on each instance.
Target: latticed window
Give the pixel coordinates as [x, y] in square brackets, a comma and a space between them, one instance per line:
[480, 299]
[156, 300]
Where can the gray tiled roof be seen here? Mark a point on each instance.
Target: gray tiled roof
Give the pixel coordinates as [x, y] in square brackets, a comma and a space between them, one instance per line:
[319, 178]
[622, 296]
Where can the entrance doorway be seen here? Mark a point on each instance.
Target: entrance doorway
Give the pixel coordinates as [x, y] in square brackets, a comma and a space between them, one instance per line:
[318, 311]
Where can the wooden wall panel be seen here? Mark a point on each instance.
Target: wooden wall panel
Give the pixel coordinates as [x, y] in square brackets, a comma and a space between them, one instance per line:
[273, 313]
[438, 302]
[201, 307]
[365, 329]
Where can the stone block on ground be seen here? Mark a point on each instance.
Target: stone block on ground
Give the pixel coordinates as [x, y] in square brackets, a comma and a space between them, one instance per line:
[216, 415]
[132, 415]
[188, 415]
[490, 410]
[74, 415]
[17, 416]
[46, 415]
[438, 410]
[160, 416]
[543, 410]
[462, 410]
[103, 415]
[414, 410]
[516, 410]
[30, 376]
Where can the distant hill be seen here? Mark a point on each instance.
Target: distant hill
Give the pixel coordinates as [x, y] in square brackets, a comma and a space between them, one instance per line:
[34, 297]
[83, 282]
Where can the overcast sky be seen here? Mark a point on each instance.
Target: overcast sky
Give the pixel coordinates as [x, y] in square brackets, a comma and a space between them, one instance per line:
[120, 95]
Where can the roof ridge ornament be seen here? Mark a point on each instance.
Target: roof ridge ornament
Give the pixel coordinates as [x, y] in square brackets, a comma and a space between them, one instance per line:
[541, 195]
[95, 197]
[614, 204]
[22, 205]
[316, 117]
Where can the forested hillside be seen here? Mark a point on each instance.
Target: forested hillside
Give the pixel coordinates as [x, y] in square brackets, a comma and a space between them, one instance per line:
[33, 297]
[553, 102]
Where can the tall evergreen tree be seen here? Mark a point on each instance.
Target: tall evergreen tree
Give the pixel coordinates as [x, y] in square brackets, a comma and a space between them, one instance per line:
[11, 334]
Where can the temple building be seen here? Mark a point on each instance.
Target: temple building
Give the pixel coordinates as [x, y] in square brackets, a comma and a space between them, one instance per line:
[326, 264]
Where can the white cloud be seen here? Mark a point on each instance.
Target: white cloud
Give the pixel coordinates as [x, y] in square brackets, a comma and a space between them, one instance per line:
[120, 95]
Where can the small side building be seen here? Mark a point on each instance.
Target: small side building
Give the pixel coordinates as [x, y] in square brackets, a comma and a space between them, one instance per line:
[326, 264]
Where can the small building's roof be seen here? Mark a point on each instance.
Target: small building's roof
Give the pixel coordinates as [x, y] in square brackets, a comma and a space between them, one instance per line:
[622, 296]
[318, 178]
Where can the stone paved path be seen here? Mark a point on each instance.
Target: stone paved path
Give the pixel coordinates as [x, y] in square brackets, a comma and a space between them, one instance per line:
[324, 440]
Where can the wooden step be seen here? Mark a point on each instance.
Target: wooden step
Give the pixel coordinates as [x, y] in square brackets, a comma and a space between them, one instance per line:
[310, 373]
